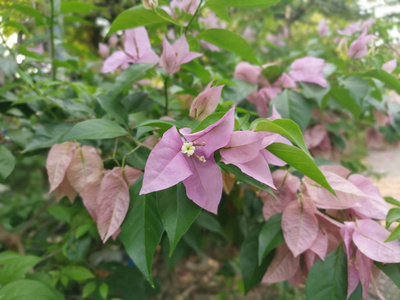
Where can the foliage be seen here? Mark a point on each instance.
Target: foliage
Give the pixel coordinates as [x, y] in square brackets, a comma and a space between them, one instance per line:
[231, 130]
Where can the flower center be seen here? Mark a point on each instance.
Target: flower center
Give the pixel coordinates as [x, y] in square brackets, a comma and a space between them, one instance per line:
[188, 148]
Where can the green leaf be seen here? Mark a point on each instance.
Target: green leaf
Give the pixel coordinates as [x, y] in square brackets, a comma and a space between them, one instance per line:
[210, 222]
[61, 213]
[391, 270]
[357, 294]
[299, 160]
[142, 230]
[114, 108]
[328, 279]
[292, 105]
[95, 129]
[286, 128]
[244, 177]
[77, 7]
[31, 12]
[163, 124]
[229, 41]
[244, 3]
[16, 25]
[316, 92]
[27, 99]
[272, 73]
[392, 201]
[358, 88]
[14, 266]
[129, 76]
[46, 135]
[139, 16]
[392, 216]
[77, 273]
[390, 80]
[7, 162]
[103, 290]
[76, 249]
[222, 12]
[252, 272]
[270, 237]
[209, 120]
[343, 97]
[394, 235]
[88, 289]
[177, 213]
[26, 289]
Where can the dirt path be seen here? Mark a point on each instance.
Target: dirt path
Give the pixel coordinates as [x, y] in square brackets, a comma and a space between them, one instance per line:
[386, 163]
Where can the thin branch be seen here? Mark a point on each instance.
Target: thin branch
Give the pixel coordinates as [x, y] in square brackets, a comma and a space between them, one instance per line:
[166, 80]
[194, 16]
[53, 52]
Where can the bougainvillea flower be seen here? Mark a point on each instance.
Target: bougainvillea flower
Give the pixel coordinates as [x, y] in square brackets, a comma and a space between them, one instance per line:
[373, 206]
[287, 186]
[189, 157]
[299, 226]
[57, 164]
[390, 66]
[246, 150]
[358, 47]
[317, 137]
[249, 34]
[104, 50]
[212, 21]
[283, 266]
[206, 102]
[113, 41]
[323, 28]
[113, 199]
[351, 28]
[368, 23]
[173, 56]
[359, 266]
[137, 49]
[275, 40]
[309, 69]
[261, 99]
[248, 72]
[187, 6]
[209, 46]
[285, 81]
[38, 49]
[369, 237]
[347, 193]
[85, 174]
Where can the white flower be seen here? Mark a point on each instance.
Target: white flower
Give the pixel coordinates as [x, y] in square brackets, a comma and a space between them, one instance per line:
[188, 148]
[150, 4]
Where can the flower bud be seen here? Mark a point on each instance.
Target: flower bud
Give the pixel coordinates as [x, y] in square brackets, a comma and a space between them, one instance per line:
[150, 4]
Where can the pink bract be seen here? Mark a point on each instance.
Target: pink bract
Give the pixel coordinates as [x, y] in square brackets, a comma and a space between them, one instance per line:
[177, 54]
[168, 165]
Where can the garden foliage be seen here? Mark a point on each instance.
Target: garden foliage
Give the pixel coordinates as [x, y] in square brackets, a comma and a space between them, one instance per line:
[198, 129]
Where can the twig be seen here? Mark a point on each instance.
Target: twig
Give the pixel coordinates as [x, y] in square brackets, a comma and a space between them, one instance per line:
[53, 53]
[52, 254]
[193, 17]
[166, 80]
[36, 216]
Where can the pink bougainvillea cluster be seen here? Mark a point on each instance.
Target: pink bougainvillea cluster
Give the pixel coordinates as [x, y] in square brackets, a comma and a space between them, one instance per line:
[314, 220]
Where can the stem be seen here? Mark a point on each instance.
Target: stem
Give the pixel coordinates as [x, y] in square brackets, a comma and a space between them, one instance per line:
[53, 53]
[166, 80]
[194, 16]
[129, 153]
